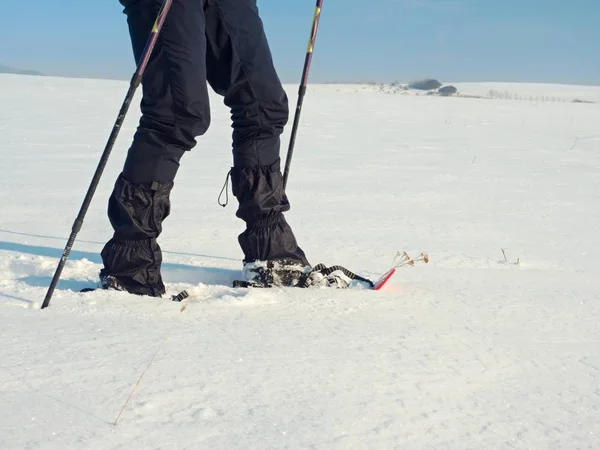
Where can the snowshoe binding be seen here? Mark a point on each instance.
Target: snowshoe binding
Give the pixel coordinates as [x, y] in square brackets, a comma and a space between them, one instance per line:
[265, 274]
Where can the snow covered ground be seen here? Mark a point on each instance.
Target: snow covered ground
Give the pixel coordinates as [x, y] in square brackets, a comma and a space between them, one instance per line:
[470, 351]
[505, 91]
[532, 91]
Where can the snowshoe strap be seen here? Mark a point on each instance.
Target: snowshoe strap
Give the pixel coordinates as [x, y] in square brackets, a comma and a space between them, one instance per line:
[323, 269]
[181, 296]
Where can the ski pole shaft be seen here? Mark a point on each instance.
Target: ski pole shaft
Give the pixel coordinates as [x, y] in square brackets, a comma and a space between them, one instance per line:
[302, 89]
[136, 79]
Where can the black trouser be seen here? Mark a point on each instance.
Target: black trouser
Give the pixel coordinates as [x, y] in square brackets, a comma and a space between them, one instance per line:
[222, 42]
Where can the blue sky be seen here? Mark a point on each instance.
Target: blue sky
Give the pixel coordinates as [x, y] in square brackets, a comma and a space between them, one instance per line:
[452, 40]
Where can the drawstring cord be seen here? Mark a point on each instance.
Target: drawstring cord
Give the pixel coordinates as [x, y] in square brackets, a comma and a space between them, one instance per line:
[225, 189]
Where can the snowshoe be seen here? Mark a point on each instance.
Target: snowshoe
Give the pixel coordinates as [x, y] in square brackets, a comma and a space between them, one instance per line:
[280, 274]
[111, 283]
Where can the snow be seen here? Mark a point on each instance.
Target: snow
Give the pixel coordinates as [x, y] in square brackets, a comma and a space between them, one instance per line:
[470, 351]
[533, 91]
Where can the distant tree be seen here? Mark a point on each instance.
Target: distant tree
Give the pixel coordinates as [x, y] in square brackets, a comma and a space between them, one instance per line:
[428, 84]
[446, 91]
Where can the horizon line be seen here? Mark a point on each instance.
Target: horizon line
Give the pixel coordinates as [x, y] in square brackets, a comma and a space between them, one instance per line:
[329, 82]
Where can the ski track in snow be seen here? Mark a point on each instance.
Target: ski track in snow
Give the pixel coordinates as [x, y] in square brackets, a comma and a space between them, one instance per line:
[469, 351]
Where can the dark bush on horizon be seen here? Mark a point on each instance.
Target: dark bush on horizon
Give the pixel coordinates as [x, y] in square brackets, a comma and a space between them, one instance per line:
[447, 90]
[428, 84]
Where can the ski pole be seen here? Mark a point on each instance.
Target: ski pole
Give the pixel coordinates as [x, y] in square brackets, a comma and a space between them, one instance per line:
[302, 89]
[133, 85]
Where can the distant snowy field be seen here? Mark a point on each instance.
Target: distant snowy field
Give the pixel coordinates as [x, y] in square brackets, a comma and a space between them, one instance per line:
[552, 92]
[506, 91]
[470, 351]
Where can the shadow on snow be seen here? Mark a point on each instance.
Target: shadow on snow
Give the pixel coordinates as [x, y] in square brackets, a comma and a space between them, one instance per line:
[172, 272]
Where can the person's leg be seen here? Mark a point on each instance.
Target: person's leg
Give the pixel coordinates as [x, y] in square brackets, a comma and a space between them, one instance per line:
[175, 110]
[240, 68]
